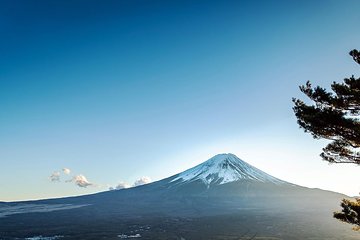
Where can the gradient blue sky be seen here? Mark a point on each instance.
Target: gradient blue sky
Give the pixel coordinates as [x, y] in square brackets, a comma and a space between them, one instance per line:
[116, 90]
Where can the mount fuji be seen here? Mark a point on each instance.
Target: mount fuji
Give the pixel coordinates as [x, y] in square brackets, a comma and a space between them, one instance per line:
[224, 168]
[221, 198]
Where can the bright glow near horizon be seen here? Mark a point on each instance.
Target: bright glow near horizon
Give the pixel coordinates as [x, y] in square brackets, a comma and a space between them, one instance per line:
[152, 88]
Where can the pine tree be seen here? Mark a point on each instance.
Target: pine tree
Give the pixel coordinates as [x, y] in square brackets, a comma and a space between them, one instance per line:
[350, 212]
[335, 116]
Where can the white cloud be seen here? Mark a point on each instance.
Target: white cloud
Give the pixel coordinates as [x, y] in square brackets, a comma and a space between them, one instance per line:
[122, 185]
[81, 181]
[142, 181]
[55, 177]
[139, 182]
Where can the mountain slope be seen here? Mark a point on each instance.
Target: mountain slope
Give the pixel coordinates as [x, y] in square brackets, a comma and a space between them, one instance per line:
[223, 192]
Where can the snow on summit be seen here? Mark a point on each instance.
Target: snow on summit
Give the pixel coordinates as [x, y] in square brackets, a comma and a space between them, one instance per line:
[224, 168]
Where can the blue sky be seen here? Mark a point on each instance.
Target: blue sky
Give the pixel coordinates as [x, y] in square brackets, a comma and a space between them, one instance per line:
[118, 90]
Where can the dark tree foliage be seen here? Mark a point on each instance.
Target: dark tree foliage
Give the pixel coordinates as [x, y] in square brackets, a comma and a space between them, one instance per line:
[350, 212]
[335, 116]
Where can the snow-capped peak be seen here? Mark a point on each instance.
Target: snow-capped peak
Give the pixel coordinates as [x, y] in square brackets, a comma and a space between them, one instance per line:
[224, 168]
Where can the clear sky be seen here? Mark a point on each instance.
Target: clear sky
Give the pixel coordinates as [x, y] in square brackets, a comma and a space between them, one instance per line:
[118, 90]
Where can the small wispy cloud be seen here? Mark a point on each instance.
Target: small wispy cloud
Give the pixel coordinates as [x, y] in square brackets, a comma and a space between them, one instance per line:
[142, 181]
[66, 171]
[81, 181]
[138, 182]
[55, 177]
[122, 185]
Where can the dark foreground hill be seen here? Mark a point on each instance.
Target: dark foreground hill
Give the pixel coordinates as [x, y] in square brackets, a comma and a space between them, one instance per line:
[222, 198]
